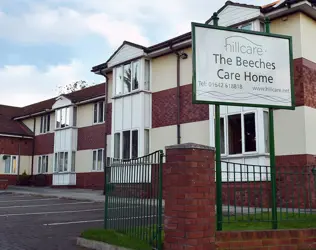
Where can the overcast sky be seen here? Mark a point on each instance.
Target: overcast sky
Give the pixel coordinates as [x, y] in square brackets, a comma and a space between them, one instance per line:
[49, 43]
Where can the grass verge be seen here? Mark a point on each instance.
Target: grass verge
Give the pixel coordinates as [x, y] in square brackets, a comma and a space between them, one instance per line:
[115, 238]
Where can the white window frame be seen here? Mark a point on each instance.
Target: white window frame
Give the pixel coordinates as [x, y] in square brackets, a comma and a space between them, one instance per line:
[139, 144]
[98, 112]
[118, 91]
[45, 124]
[95, 167]
[67, 113]
[40, 167]
[56, 166]
[11, 157]
[244, 25]
[226, 139]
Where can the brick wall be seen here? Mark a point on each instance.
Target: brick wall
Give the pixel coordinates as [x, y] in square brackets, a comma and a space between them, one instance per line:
[10, 146]
[44, 144]
[164, 107]
[267, 240]
[91, 137]
[94, 180]
[305, 82]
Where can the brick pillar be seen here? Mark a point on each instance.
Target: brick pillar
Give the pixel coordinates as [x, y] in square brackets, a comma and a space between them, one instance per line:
[189, 179]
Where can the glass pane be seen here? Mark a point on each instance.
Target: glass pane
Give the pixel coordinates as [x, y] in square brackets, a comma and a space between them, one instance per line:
[39, 168]
[67, 121]
[48, 123]
[73, 162]
[136, 74]
[94, 160]
[60, 162]
[7, 165]
[118, 80]
[56, 163]
[63, 118]
[100, 156]
[66, 162]
[101, 111]
[222, 136]
[74, 122]
[41, 127]
[147, 74]
[247, 26]
[117, 143]
[234, 134]
[250, 132]
[146, 139]
[266, 131]
[95, 113]
[126, 144]
[135, 144]
[127, 78]
[44, 124]
[58, 121]
[14, 165]
[46, 164]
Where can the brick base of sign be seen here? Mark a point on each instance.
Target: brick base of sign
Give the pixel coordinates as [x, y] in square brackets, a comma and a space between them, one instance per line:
[3, 184]
[11, 179]
[273, 239]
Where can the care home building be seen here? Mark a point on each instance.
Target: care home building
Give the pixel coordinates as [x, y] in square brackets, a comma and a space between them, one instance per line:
[146, 104]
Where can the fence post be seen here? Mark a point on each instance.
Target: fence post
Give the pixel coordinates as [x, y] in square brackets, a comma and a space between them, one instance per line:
[189, 221]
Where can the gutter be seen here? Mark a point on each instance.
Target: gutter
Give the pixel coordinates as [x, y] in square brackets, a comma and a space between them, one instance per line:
[179, 56]
[17, 136]
[31, 115]
[106, 126]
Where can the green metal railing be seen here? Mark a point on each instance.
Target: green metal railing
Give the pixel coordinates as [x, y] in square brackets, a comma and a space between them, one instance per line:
[133, 203]
[247, 196]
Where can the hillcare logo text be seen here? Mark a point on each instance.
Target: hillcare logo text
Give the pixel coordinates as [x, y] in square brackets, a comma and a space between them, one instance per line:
[238, 50]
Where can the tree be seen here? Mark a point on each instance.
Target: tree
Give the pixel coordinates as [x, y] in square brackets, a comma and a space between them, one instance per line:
[72, 87]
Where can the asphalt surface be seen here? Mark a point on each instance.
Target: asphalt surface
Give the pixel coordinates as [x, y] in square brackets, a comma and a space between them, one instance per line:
[29, 222]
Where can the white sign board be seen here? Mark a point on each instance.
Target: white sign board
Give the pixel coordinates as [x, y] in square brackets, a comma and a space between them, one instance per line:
[241, 68]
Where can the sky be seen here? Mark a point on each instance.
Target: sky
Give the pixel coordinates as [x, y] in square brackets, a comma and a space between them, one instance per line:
[45, 44]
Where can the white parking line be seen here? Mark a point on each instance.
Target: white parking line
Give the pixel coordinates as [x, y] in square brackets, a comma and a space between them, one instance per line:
[45, 199]
[90, 221]
[48, 205]
[56, 212]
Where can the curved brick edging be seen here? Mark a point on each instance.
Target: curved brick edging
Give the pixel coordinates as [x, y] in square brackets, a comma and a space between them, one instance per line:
[97, 245]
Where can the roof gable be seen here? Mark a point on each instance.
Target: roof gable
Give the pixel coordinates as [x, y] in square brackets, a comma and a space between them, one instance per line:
[232, 14]
[125, 52]
[61, 101]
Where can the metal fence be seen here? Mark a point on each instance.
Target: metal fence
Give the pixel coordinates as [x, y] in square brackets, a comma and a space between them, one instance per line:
[247, 196]
[133, 202]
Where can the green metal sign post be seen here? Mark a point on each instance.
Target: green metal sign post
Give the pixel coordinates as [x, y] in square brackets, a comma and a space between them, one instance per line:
[272, 154]
[216, 58]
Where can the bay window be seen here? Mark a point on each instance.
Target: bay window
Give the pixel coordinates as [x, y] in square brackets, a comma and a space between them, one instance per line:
[63, 118]
[61, 162]
[128, 77]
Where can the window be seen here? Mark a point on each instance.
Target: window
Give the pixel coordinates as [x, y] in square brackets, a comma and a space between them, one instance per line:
[127, 78]
[61, 162]
[247, 26]
[266, 131]
[98, 112]
[117, 145]
[97, 160]
[10, 164]
[147, 75]
[126, 144]
[74, 117]
[146, 140]
[234, 134]
[63, 118]
[241, 134]
[73, 162]
[42, 164]
[45, 124]
[130, 148]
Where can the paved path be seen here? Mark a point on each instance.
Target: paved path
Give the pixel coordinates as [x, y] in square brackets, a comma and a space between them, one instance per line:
[29, 222]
